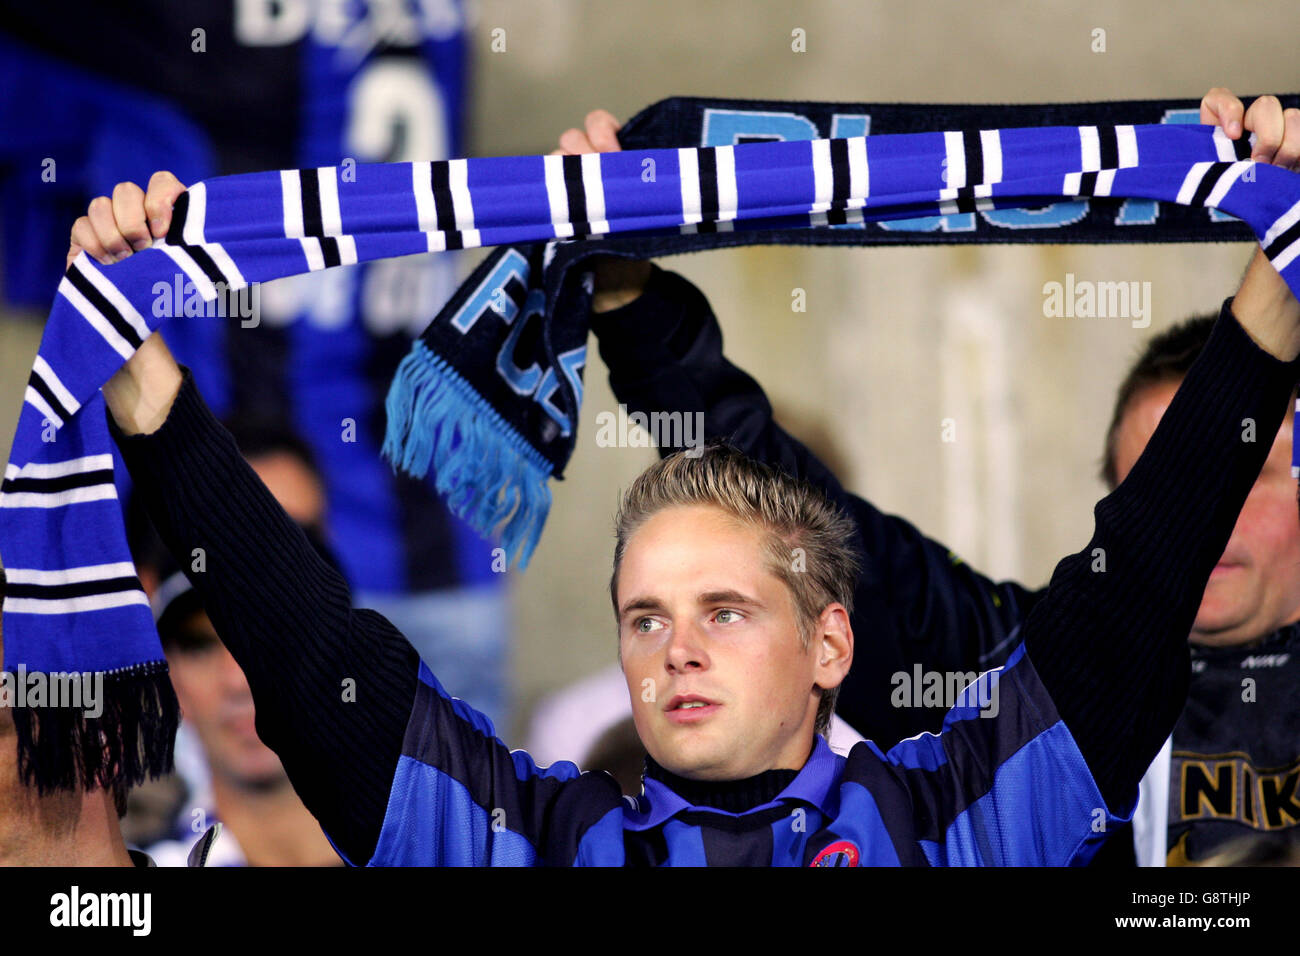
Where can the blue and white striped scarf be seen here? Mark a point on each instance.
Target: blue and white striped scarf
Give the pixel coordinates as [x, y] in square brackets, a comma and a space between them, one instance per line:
[73, 601]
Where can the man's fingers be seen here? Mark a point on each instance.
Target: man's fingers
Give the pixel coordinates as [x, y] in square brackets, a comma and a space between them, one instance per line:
[600, 136]
[83, 237]
[128, 213]
[110, 238]
[1264, 119]
[1221, 107]
[602, 131]
[164, 189]
[1288, 154]
[574, 141]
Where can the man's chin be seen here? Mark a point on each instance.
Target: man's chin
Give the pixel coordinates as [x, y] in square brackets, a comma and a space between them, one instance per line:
[694, 763]
[1219, 626]
[256, 774]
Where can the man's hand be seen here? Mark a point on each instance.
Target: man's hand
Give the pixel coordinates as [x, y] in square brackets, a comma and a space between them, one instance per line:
[114, 228]
[141, 393]
[1277, 131]
[1264, 305]
[618, 280]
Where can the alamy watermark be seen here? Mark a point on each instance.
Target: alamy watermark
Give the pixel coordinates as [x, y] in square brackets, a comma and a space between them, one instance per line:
[77, 691]
[655, 430]
[182, 298]
[131, 911]
[1085, 299]
[944, 689]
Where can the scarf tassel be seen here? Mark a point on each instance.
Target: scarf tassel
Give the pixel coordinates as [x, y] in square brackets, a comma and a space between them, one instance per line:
[490, 477]
[60, 748]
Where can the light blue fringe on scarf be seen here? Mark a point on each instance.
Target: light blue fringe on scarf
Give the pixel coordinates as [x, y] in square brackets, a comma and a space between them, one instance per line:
[489, 475]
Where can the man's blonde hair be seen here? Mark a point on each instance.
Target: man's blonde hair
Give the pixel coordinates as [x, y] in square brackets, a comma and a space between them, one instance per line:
[809, 543]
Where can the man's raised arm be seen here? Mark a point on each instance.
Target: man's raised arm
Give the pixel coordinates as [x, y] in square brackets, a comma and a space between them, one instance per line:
[333, 687]
[285, 614]
[1111, 645]
[395, 769]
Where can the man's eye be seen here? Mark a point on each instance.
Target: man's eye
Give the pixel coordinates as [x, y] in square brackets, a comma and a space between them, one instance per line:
[734, 616]
[645, 625]
[195, 643]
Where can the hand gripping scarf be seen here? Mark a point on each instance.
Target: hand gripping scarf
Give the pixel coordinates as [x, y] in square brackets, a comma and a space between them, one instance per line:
[489, 395]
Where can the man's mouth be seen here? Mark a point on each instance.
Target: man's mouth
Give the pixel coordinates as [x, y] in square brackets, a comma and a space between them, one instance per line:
[687, 708]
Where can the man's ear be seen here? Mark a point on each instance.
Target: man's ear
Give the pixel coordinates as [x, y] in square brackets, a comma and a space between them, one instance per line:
[833, 641]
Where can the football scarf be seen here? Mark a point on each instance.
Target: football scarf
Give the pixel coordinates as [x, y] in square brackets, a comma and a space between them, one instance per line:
[491, 401]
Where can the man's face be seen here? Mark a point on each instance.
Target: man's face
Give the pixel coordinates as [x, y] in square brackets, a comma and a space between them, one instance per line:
[1255, 587]
[701, 616]
[216, 701]
[292, 484]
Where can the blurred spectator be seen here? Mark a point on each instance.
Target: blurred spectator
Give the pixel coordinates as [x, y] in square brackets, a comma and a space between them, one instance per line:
[275, 84]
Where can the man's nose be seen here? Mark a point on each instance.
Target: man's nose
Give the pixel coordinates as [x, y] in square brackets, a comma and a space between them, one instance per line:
[231, 674]
[687, 647]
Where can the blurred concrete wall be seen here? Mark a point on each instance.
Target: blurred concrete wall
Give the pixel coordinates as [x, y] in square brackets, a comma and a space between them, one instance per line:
[894, 341]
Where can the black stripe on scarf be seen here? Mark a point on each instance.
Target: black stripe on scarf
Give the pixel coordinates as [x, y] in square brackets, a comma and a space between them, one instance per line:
[180, 211]
[313, 219]
[1282, 242]
[1108, 143]
[440, 180]
[206, 263]
[38, 385]
[104, 307]
[840, 183]
[83, 479]
[1208, 182]
[576, 194]
[73, 589]
[709, 189]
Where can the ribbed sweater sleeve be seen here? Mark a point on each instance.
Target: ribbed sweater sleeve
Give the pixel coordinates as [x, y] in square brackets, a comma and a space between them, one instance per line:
[1109, 638]
[286, 617]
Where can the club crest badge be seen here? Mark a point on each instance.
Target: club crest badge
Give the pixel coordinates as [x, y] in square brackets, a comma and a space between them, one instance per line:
[839, 853]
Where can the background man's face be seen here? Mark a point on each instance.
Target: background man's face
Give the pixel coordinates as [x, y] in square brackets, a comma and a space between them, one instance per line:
[701, 614]
[292, 484]
[1255, 588]
[216, 701]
